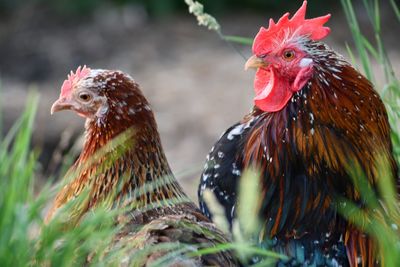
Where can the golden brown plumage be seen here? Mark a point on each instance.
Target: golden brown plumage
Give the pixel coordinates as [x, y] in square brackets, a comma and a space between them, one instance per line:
[134, 174]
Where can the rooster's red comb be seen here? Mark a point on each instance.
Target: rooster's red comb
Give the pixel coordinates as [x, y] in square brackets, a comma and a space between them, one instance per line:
[68, 84]
[285, 28]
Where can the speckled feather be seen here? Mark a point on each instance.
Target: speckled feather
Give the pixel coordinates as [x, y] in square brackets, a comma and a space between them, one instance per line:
[303, 152]
[119, 178]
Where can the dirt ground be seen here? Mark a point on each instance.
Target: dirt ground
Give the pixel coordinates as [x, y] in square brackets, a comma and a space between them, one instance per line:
[195, 82]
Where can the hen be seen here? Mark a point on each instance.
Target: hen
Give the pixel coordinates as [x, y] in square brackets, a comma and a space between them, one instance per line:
[133, 175]
[314, 117]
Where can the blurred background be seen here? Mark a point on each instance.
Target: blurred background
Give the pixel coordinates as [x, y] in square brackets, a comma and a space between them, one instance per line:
[194, 80]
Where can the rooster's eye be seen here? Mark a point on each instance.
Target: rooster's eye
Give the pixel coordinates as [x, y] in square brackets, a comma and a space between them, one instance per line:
[85, 96]
[288, 55]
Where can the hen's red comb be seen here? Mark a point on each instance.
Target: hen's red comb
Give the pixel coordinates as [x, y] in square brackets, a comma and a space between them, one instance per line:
[285, 28]
[68, 84]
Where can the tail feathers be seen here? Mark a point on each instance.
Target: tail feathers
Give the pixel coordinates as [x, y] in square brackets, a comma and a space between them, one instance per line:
[309, 252]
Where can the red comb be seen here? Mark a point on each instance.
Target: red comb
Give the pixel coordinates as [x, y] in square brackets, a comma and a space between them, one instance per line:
[72, 79]
[285, 28]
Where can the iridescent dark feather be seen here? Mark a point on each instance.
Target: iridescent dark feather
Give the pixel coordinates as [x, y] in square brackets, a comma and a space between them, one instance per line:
[304, 152]
[135, 175]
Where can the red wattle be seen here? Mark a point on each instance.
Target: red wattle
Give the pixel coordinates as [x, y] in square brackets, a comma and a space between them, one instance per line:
[302, 78]
[271, 94]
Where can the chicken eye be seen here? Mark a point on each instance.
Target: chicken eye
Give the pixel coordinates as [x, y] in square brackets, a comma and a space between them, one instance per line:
[288, 55]
[84, 96]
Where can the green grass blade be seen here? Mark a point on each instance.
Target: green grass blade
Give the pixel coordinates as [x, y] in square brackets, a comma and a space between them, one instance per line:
[238, 39]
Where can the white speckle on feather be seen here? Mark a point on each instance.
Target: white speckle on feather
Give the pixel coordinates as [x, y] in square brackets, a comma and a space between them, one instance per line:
[305, 62]
[235, 170]
[312, 131]
[216, 166]
[205, 177]
[221, 154]
[131, 111]
[102, 110]
[203, 187]
[328, 234]
[248, 123]
[334, 69]
[238, 130]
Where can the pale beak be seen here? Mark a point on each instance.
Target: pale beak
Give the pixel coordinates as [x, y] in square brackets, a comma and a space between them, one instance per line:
[60, 104]
[255, 62]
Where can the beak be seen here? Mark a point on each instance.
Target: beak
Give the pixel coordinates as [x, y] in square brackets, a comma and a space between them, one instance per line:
[255, 62]
[60, 104]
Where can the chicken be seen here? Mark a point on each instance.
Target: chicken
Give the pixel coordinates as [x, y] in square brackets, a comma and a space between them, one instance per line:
[314, 118]
[134, 175]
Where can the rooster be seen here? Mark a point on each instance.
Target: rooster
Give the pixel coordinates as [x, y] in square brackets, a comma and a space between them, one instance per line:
[314, 118]
[137, 176]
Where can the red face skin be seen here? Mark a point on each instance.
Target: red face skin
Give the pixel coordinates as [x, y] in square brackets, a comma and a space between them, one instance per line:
[280, 74]
[283, 65]
[84, 99]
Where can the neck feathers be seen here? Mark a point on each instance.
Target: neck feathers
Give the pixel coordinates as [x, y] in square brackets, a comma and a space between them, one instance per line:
[122, 161]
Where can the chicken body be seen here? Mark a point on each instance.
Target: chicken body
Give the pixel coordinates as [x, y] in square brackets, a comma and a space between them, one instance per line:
[304, 140]
[134, 175]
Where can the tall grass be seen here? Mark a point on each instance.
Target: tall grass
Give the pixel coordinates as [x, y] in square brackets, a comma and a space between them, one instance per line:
[24, 238]
[381, 216]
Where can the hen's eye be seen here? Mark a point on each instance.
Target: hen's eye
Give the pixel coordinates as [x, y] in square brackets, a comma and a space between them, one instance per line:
[85, 96]
[288, 55]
